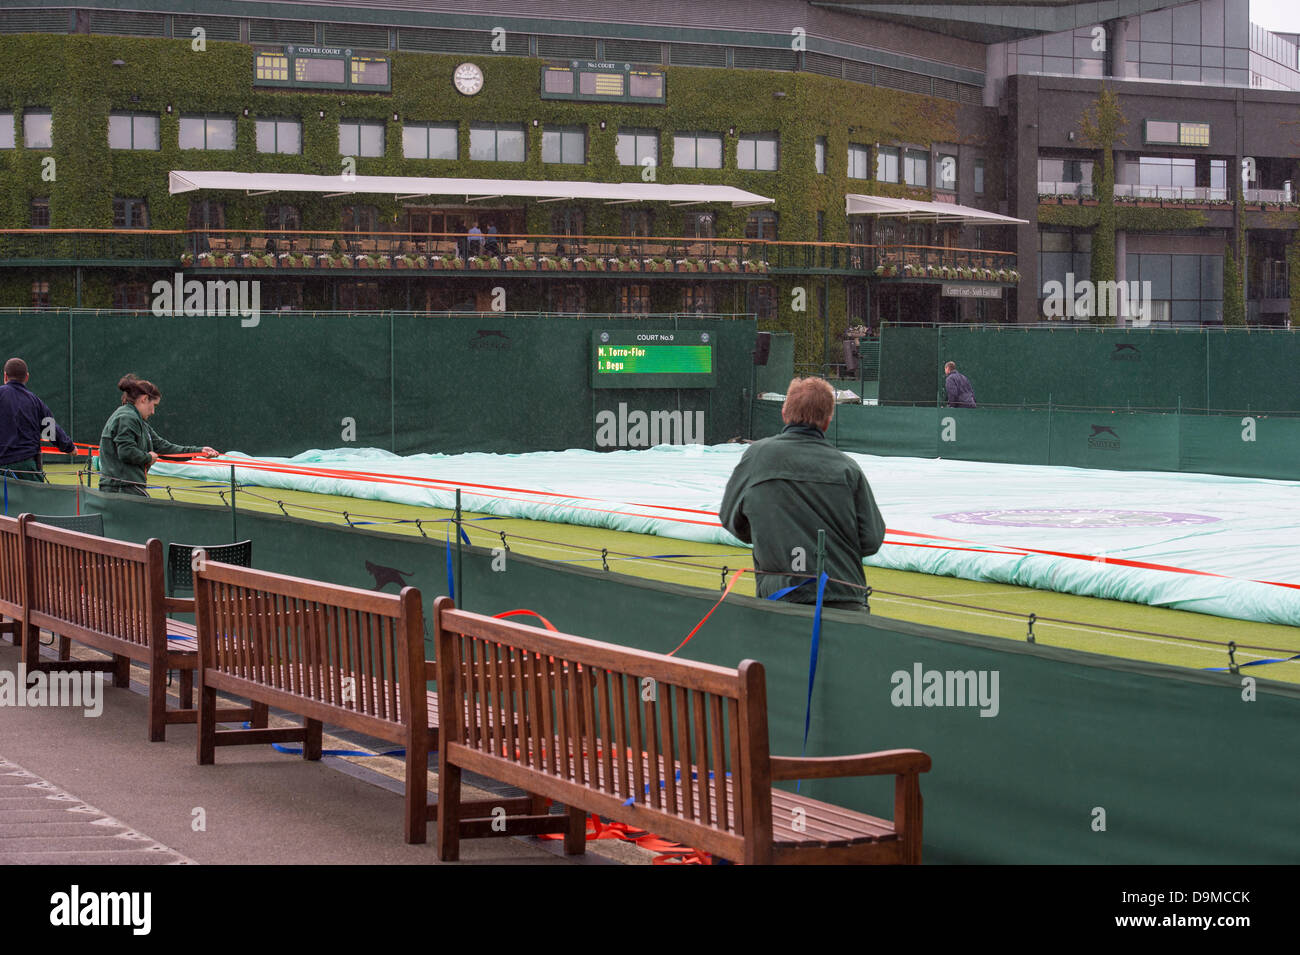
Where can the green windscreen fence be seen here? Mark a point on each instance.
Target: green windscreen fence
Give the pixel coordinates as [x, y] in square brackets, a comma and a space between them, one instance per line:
[1242, 445]
[1193, 369]
[1041, 755]
[401, 382]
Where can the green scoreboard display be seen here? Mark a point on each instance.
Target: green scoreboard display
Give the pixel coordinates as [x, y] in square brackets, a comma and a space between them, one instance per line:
[652, 359]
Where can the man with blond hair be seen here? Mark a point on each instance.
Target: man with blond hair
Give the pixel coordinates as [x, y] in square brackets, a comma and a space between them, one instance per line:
[788, 487]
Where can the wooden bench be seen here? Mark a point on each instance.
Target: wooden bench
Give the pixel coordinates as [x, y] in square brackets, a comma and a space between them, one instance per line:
[11, 579]
[671, 746]
[352, 658]
[108, 594]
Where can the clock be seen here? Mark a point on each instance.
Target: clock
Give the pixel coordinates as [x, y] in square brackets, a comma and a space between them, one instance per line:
[468, 78]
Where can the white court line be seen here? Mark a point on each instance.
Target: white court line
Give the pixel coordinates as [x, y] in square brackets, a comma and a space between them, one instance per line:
[1220, 651]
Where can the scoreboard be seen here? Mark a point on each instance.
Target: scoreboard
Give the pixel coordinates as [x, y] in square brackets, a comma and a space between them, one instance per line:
[317, 67]
[595, 81]
[652, 359]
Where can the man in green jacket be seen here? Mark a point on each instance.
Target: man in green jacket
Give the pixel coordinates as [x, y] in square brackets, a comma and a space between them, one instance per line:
[129, 445]
[788, 487]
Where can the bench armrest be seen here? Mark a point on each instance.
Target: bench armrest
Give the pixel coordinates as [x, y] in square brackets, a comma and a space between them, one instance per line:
[178, 604]
[890, 762]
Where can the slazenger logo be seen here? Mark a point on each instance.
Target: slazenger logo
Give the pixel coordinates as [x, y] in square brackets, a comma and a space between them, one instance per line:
[1125, 352]
[1099, 438]
[493, 338]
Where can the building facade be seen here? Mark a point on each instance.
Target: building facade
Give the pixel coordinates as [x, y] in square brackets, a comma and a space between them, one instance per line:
[809, 104]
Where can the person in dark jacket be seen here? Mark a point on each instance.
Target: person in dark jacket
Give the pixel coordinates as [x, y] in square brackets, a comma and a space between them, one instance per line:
[789, 486]
[129, 446]
[24, 421]
[957, 385]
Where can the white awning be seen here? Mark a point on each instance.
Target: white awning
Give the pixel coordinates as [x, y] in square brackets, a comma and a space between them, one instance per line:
[856, 205]
[415, 187]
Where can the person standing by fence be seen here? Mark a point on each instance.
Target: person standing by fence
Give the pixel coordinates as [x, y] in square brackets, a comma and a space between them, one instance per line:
[24, 422]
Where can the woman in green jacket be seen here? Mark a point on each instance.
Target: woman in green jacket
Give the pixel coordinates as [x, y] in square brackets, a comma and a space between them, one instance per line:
[129, 446]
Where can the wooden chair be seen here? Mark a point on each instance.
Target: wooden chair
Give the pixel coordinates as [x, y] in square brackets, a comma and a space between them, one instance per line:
[671, 746]
[339, 655]
[108, 594]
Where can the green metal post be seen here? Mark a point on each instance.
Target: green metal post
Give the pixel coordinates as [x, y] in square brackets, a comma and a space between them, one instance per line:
[234, 520]
[821, 556]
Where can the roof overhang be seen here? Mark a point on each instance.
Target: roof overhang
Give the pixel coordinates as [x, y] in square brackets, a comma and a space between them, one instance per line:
[856, 205]
[470, 190]
[990, 21]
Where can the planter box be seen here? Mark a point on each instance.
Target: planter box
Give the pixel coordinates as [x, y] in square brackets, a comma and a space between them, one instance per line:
[1088, 202]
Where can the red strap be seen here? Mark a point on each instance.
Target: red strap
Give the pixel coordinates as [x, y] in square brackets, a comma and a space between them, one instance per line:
[530, 613]
[731, 583]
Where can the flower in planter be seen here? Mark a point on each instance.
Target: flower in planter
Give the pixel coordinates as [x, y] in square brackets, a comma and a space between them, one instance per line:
[565, 265]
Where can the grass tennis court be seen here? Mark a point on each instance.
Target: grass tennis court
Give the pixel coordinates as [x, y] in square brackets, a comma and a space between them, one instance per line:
[1110, 627]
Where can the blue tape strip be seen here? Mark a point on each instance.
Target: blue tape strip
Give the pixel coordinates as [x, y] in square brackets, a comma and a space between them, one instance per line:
[451, 576]
[297, 751]
[1253, 663]
[788, 590]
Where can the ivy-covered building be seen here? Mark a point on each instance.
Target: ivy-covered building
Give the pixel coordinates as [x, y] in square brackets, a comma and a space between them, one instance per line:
[897, 143]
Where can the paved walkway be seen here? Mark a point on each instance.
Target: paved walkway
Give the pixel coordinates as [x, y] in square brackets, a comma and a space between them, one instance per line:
[256, 805]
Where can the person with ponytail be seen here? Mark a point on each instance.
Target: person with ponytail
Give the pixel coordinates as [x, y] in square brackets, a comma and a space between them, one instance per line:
[129, 445]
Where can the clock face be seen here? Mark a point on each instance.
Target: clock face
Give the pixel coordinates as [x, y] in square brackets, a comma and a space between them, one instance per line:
[468, 78]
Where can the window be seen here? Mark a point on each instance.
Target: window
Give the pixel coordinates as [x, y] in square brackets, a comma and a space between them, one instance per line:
[698, 225]
[132, 295]
[638, 222]
[945, 172]
[698, 299]
[761, 300]
[279, 136]
[916, 166]
[568, 221]
[697, 150]
[757, 151]
[570, 298]
[355, 296]
[887, 164]
[207, 132]
[360, 218]
[38, 129]
[283, 218]
[634, 146]
[819, 154]
[130, 213]
[133, 131]
[40, 212]
[859, 162]
[496, 143]
[282, 296]
[565, 144]
[634, 299]
[206, 214]
[6, 130]
[979, 177]
[361, 137]
[761, 225]
[40, 294]
[431, 141]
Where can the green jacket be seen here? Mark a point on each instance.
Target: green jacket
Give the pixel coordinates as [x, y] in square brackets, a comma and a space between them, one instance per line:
[124, 448]
[783, 491]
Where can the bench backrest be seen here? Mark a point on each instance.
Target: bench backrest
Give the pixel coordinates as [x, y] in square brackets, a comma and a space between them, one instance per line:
[11, 568]
[564, 717]
[319, 648]
[84, 585]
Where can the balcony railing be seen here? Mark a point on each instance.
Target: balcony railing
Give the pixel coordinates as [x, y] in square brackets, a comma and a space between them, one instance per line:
[1052, 188]
[442, 251]
[1269, 195]
[1177, 193]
